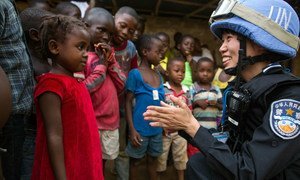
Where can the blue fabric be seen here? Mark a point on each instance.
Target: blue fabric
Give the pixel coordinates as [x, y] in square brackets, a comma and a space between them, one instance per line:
[152, 145]
[259, 35]
[143, 94]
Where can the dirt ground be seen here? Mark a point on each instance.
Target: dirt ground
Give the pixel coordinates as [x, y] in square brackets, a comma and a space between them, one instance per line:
[169, 174]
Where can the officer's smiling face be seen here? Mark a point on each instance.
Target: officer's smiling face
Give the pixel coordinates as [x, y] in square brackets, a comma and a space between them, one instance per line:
[229, 50]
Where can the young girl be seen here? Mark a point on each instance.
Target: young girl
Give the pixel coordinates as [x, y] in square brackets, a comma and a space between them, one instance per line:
[67, 142]
[145, 86]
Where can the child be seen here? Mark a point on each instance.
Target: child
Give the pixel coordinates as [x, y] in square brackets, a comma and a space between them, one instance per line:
[175, 73]
[145, 85]
[186, 48]
[206, 98]
[140, 28]
[104, 80]
[31, 19]
[68, 9]
[67, 143]
[126, 20]
[164, 37]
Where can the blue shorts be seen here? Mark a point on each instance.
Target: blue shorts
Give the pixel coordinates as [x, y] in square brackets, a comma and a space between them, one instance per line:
[150, 144]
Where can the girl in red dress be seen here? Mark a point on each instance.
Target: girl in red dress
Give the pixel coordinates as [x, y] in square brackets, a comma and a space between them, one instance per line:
[67, 143]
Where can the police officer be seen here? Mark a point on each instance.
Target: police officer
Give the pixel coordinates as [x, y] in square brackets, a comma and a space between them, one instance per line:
[263, 107]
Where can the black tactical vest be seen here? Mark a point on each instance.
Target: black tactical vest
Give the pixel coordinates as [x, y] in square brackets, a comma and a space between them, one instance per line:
[259, 88]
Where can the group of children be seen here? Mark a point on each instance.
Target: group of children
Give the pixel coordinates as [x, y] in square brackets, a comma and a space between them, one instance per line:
[90, 78]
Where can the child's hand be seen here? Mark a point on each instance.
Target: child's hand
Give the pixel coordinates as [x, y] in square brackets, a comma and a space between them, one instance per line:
[105, 49]
[188, 56]
[212, 99]
[135, 138]
[203, 103]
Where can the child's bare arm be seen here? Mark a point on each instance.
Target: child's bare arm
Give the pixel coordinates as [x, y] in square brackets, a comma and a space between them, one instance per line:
[116, 74]
[134, 135]
[50, 105]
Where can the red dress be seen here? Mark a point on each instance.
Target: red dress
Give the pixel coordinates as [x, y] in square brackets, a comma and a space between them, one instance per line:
[82, 150]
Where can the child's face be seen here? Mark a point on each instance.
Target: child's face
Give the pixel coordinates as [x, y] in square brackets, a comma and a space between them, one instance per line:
[72, 53]
[101, 30]
[154, 54]
[205, 72]
[125, 26]
[166, 44]
[176, 71]
[138, 32]
[186, 47]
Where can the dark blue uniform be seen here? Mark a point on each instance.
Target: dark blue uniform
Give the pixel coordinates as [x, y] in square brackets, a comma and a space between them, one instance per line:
[270, 140]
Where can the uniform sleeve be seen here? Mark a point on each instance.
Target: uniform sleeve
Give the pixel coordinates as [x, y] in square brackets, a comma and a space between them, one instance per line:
[261, 158]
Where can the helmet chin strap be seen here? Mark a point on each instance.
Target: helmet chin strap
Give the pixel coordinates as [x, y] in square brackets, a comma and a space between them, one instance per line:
[244, 61]
[230, 71]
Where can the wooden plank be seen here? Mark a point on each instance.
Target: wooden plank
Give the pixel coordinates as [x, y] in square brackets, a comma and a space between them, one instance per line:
[157, 7]
[210, 4]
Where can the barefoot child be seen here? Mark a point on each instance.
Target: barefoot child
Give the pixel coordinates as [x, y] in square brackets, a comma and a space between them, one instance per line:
[145, 85]
[67, 143]
[104, 80]
[206, 97]
[175, 74]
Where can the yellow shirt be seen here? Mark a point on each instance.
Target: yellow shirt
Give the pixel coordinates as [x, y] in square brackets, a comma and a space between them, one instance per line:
[217, 82]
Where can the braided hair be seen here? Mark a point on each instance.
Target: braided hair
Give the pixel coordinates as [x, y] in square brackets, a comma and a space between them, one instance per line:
[56, 28]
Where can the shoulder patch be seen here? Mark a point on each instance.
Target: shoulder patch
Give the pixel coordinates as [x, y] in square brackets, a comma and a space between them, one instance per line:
[285, 118]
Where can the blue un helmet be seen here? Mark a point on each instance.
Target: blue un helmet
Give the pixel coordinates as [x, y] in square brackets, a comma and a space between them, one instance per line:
[272, 24]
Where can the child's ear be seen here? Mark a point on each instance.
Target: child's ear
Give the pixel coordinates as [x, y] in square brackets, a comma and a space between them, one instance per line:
[144, 52]
[178, 46]
[53, 47]
[167, 73]
[34, 34]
